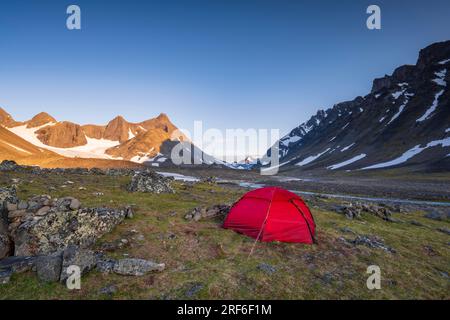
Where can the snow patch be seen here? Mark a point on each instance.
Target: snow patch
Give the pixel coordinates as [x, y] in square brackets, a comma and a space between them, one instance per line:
[348, 147]
[347, 162]
[432, 108]
[444, 61]
[95, 148]
[409, 154]
[311, 158]
[402, 107]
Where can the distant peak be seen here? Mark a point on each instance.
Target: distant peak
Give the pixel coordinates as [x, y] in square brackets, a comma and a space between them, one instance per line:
[40, 119]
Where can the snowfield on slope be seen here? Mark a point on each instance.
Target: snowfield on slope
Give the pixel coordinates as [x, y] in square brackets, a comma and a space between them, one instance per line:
[347, 162]
[409, 154]
[311, 158]
[95, 148]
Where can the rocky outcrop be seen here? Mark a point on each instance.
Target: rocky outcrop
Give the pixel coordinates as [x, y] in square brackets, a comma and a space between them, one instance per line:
[6, 119]
[42, 225]
[136, 267]
[62, 135]
[8, 198]
[403, 121]
[8, 165]
[93, 131]
[220, 210]
[354, 210]
[150, 181]
[54, 267]
[40, 119]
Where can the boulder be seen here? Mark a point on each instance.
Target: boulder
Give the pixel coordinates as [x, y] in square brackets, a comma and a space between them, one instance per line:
[86, 260]
[8, 165]
[59, 229]
[150, 181]
[48, 268]
[137, 267]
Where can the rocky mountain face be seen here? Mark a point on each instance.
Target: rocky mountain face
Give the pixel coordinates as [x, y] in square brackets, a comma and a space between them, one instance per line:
[148, 142]
[403, 121]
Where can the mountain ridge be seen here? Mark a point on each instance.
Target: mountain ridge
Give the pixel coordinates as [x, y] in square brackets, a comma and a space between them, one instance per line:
[404, 120]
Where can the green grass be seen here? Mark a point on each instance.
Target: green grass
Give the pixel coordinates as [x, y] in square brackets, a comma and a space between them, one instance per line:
[218, 259]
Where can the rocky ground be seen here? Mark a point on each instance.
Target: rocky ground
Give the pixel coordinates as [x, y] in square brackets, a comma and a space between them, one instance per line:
[170, 245]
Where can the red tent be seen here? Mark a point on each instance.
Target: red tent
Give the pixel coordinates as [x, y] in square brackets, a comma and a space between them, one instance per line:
[272, 214]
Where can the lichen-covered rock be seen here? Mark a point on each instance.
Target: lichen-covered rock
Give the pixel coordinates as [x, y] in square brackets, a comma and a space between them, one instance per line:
[86, 260]
[48, 268]
[7, 197]
[199, 213]
[58, 229]
[137, 267]
[150, 181]
[8, 165]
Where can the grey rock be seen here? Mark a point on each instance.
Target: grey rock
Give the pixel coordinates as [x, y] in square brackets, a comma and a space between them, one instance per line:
[150, 181]
[18, 264]
[105, 265]
[22, 205]
[75, 204]
[42, 211]
[5, 276]
[194, 289]
[108, 290]
[137, 267]
[444, 230]
[48, 268]
[58, 229]
[11, 206]
[86, 260]
[129, 213]
[372, 242]
[437, 215]
[267, 268]
[8, 165]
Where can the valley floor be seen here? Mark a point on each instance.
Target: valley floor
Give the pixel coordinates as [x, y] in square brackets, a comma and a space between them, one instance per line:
[205, 261]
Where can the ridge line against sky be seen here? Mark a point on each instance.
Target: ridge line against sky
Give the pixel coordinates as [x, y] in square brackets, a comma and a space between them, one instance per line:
[232, 64]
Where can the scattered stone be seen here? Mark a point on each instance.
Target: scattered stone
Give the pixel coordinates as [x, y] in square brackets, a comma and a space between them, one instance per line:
[372, 242]
[209, 180]
[108, 290]
[48, 268]
[98, 194]
[75, 204]
[354, 210]
[416, 223]
[81, 188]
[437, 215]
[444, 230]
[347, 230]
[150, 181]
[129, 213]
[194, 289]
[137, 267]
[199, 213]
[267, 268]
[430, 251]
[5, 276]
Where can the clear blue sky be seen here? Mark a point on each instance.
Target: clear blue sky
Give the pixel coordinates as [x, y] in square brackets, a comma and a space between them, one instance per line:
[230, 63]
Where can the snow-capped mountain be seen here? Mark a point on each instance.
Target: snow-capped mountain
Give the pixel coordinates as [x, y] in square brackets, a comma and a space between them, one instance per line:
[148, 142]
[403, 121]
